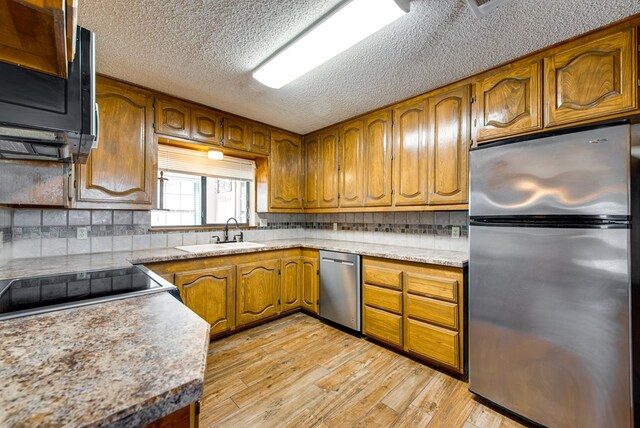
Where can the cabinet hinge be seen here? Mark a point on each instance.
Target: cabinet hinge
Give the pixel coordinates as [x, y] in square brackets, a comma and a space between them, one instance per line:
[278, 301]
[279, 272]
[197, 407]
[638, 82]
[222, 122]
[393, 191]
[473, 99]
[338, 167]
[153, 104]
[338, 195]
[317, 271]
[393, 157]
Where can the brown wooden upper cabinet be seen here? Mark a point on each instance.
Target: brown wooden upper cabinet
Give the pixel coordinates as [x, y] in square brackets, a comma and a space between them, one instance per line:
[39, 34]
[593, 79]
[312, 171]
[285, 171]
[206, 125]
[449, 137]
[121, 172]
[173, 118]
[235, 133]
[509, 100]
[177, 119]
[329, 175]
[352, 164]
[377, 159]
[259, 139]
[411, 162]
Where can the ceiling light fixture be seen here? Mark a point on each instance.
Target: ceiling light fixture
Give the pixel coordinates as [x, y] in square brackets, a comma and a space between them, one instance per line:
[352, 22]
[215, 154]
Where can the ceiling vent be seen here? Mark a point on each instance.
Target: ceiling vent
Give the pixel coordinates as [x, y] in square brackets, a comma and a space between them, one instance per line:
[484, 7]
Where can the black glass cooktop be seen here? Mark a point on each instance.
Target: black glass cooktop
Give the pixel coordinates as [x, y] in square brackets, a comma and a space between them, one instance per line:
[26, 296]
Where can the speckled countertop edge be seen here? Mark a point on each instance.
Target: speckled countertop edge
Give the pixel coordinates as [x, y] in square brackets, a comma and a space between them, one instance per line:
[411, 254]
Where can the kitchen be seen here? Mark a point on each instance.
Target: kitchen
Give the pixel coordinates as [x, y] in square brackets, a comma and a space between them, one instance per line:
[340, 213]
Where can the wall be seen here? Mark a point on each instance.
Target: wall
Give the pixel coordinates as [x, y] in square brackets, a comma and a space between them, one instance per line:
[48, 232]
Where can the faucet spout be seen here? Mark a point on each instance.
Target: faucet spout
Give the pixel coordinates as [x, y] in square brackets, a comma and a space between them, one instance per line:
[226, 228]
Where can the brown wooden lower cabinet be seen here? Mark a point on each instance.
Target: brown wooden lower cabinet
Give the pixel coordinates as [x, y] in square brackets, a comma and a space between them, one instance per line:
[258, 291]
[210, 294]
[310, 281]
[236, 291]
[415, 307]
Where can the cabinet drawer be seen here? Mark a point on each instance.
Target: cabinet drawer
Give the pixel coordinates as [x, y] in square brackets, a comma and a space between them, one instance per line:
[383, 277]
[436, 343]
[382, 298]
[433, 286]
[431, 310]
[382, 325]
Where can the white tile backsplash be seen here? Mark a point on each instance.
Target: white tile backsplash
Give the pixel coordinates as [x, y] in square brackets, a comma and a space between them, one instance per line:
[79, 218]
[27, 218]
[54, 217]
[53, 247]
[26, 248]
[122, 243]
[101, 244]
[158, 240]
[78, 246]
[174, 240]
[141, 242]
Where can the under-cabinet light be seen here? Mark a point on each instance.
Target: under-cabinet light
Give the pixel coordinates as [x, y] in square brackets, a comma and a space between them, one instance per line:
[215, 154]
[352, 22]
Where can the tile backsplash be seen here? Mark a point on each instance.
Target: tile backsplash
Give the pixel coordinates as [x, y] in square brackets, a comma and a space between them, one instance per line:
[47, 232]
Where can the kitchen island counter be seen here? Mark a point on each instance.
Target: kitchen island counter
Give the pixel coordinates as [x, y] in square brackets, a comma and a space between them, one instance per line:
[122, 363]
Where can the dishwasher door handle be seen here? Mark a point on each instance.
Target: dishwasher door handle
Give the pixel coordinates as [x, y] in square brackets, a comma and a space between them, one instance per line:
[344, 262]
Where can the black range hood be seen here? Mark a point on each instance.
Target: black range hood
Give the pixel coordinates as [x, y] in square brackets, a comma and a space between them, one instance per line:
[47, 117]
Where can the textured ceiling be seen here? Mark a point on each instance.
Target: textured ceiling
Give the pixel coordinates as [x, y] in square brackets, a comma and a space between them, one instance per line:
[205, 50]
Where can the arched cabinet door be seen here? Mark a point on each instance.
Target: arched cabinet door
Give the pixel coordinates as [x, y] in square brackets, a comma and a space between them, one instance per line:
[309, 279]
[311, 171]
[291, 282]
[584, 81]
[121, 171]
[258, 291]
[285, 171]
[509, 101]
[377, 159]
[210, 294]
[410, 168]
[352, 164]
[173, 118]
[329, 177]
[449, 139]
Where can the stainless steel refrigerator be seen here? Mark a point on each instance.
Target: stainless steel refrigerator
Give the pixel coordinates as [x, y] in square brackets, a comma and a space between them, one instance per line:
[550, 277]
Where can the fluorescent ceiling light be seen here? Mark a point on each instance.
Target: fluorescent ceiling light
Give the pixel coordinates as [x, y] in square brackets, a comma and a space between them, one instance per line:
[353, 22]
[215, 154]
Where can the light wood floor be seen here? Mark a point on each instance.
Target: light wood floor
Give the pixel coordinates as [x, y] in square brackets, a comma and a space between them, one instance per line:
[299, 372]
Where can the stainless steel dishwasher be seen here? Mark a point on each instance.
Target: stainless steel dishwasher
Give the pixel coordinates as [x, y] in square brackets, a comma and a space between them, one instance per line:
[340, 295]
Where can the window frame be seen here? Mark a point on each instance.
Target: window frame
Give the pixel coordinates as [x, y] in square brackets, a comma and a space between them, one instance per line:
[203, 202]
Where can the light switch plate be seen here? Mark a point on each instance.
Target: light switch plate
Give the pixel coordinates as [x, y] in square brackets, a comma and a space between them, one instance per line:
[81, 233]
[335, 227]
[455, 232]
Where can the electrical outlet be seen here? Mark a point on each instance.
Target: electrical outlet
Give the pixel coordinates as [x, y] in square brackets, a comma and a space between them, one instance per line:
[81, 233]
[335, 227]
[455, 232]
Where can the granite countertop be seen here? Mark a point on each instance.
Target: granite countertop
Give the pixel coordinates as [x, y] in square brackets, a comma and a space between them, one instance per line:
[121, 363]
[410, 254]
[131, 361]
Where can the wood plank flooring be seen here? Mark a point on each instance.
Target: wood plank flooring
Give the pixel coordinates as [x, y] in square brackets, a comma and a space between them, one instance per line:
[300, 372]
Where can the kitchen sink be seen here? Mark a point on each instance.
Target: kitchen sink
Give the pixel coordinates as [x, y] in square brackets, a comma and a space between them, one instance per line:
[208, 248]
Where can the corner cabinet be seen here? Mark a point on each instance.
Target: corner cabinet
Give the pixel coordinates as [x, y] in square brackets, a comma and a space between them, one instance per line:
[509, 101]
[258, 291]
[590, 79]
[449, 139]
[285, 172]
[121, 172]
[210, 294]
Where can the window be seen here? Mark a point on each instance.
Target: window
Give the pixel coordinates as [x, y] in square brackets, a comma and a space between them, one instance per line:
[196, 191]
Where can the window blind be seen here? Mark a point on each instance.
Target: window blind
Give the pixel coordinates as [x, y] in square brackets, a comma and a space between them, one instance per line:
[190, 161]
